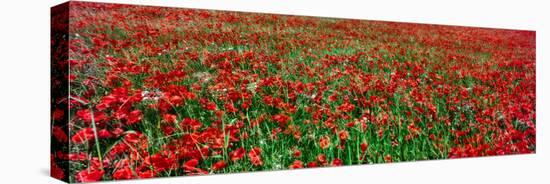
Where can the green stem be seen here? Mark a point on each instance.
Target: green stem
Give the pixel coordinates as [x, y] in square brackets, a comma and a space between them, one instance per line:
[96, 138]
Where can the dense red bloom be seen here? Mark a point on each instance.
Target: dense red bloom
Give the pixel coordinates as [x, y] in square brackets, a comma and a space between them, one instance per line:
[56, 171]
[86, 116]
[132, 137]
[162, 162]
[134, 117]
[168, 130]
[145, 172]
[191, 124]
[346, 107]
[78, 156]
[58, 114]
[229, 107]
[281, 119]
[170, 118]
[187, 92]
[59, 134]
[104, 133]
[106, 102]
[123, 174]
[96, 164]
[246, 104]
[89, 175]
[208, 105]
[84, 135]
[117, 132]
[176, 100]
[190, 165]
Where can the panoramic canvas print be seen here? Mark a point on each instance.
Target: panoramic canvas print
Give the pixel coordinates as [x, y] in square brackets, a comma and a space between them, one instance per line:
[145, 92]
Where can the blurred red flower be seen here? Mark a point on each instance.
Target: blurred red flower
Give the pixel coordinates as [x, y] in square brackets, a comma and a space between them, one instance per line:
[218, 165]
[324, 142]
[237, 154]
[297, 164]
[254, 156]
[123, 174]
[89, 175]
[84, 135]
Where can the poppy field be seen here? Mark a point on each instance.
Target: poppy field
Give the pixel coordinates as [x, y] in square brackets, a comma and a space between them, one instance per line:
[144, 92]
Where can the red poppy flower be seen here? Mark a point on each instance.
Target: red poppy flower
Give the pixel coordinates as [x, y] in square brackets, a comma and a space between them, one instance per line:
[254, 156]
[246, 104]
[145, 172]
[168, 130]
[191, 124]
[132, 137]
[89, 175]
[104, 133]
[364, 147]
[59, 134]
[78, 156]
[190, 165]
[208, 105]
[324, 142]
[297, 164]
[218, 165]
[170, 118]
[58, 114]
[388, 158]
[337, 162]
[56, 171]
[312, 164]
[123, 174]
[237, 154]
[176, 100]
[297, 153]
[84, 135]
[321, 158]
[346, 107]
[229, 107]
[86, 116]
[210, 102]
[281, 119]
[106, 102]
[343, 135]
[134, 117]
[162, 162]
